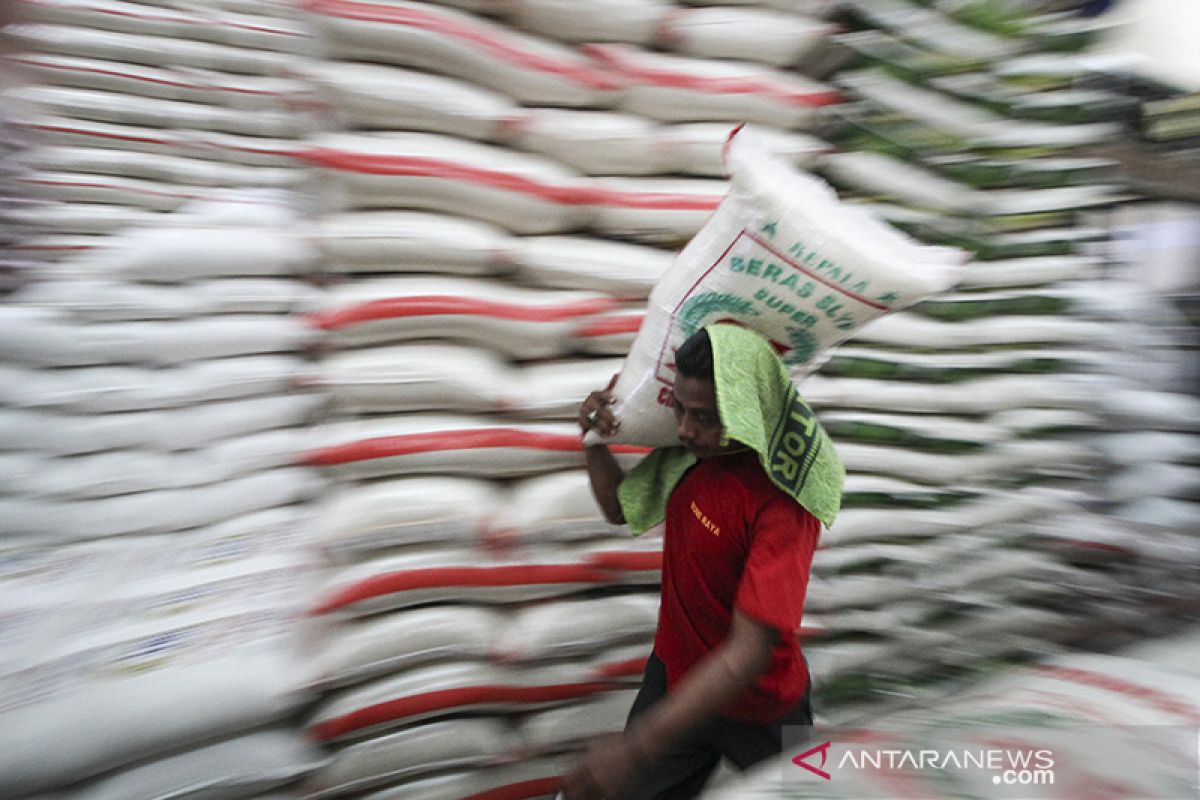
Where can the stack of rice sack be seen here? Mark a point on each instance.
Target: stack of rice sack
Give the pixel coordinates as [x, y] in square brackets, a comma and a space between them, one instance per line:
[140, 107]
[968, 423]
[1123, 723]
[154, 544]
[506, 197]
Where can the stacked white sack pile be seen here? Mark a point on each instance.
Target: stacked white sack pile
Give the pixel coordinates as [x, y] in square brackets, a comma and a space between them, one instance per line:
[508, 199]
[141, 107]
[154, 554]
[970, 423]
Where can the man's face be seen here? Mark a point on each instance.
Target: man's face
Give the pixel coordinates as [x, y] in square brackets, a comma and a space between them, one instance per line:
[696, 417]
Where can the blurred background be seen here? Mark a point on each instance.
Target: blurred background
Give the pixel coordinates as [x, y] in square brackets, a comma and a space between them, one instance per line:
[300, 298]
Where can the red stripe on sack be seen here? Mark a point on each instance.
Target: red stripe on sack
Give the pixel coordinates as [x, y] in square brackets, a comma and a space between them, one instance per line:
[679, 80]
[524, 790]
[1089, 545]
[418, 166]
[623, 669]
[99, 134]
[406, 707]
[425, 167]
[626, 562]
[413, 18]
[611, 326]
[438, 441]
[1154, 697]
[34, 62]
[441, 305]
[439, 577]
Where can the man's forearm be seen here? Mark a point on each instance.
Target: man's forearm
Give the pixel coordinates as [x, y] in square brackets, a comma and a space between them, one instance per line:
[605, 474]
[713, 684]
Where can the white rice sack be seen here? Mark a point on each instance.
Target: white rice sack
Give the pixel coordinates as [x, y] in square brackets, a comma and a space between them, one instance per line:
[927, 468]
[436, 747]
[633, 21]
[522, 323]
[98, 475]
[666, 211]
[987, 395]
[151, 50]
[80, 187]
[63, 220]
[520, 192]
[43, 340]
[353, 651]
[553, 390]
[551, 508]
[622, 269]
[1165, 512]
[886, 177]
[443, 689]
[111, 301]
[158, 511]
[222, 147]
[158, 113]
[455, 574]
[695, 148]
[910, 330]
[1050, 422]
[188, 426]
[569, 629]
[566, 728]
[179, 254]
[783, 255]
[1034, 271]
[195, 85]
[906, 525]
[353, 521]
[242, 766]
[464, 446]
[673, 88]
[1138, 447]
[254, 30]
[143, 698]
[594, 142]
[532, 70]
[770, 37]
[156, 167]
[610, 334]
[377, 96]
[417, 377]
[1153, 410]
[409, 241]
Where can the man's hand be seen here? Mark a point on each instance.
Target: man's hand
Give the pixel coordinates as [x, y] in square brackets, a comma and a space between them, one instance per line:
[595, 412]
[610, 766]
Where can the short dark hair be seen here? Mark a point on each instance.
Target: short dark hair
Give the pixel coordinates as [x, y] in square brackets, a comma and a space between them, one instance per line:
[694, 358]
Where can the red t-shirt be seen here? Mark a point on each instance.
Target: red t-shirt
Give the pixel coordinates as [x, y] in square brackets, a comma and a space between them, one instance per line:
[735, 540]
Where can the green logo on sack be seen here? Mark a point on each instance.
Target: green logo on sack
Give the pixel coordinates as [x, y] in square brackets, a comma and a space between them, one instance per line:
[710, 306]
[803, 346]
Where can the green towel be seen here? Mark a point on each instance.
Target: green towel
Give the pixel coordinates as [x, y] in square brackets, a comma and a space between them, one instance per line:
[759, 407]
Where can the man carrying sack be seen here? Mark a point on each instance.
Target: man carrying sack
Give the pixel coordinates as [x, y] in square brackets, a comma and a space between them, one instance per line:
[743, 498]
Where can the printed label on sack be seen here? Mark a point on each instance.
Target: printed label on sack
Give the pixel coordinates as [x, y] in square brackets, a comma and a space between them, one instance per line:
[797, 296]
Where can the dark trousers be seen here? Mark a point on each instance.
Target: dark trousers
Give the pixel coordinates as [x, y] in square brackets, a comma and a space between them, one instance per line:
[683, 770]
